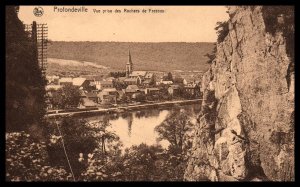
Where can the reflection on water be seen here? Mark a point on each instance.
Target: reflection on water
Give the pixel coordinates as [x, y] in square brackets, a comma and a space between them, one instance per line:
[137, 127]
[129, 121]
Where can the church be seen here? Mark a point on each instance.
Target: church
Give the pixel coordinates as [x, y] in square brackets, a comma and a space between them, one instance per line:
[143, 78]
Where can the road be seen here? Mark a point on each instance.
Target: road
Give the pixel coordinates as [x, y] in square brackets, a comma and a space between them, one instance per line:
[126, 108]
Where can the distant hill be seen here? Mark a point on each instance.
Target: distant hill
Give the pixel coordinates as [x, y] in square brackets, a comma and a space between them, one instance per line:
[164, 56]
[74, 63]
[74, 68]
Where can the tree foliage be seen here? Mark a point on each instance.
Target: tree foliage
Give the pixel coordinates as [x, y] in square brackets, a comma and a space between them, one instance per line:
[140, 163]
[101, 134]
[89, 160]
[66, 96]
[175, 129]
[211, 56]
[140, 97]
[271, 13]
[78, 138]
[169, 77]
[27, 160]
[25, 85]
[222, 29]
[117, 74]
[178, 80]
[119, 85]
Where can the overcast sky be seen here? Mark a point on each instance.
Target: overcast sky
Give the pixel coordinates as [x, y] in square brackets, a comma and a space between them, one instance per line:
[177, 24]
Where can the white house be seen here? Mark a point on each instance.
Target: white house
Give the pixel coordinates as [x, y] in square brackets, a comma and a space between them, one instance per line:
[65, 80]
[78, 81]
[53, 86]
[167, 82]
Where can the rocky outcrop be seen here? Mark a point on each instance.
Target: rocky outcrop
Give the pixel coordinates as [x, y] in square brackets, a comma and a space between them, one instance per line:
[246, 129]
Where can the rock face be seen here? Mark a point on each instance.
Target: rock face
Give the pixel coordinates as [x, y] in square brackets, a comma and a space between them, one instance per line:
[246, 127]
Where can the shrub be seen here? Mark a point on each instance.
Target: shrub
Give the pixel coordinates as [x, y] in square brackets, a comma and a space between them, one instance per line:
[27, 160]
[78, 138]
[222, 29]
[270, 15]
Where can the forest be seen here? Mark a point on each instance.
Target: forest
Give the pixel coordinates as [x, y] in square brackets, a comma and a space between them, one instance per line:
[145, 56]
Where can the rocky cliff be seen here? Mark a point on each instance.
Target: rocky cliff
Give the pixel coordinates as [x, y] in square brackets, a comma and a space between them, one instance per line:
[246, 127]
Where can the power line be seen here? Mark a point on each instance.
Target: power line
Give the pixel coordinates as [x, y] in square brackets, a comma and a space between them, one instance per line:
[63, 144]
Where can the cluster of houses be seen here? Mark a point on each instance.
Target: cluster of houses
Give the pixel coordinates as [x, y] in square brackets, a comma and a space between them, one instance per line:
[95, 90]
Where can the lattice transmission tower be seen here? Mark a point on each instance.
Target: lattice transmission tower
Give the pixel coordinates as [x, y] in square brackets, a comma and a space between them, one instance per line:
[39, 36]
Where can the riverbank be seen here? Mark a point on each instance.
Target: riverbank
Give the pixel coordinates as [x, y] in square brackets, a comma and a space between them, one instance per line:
[112, 110]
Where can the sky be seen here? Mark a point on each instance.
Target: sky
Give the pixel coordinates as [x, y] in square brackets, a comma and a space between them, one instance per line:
[175, 24]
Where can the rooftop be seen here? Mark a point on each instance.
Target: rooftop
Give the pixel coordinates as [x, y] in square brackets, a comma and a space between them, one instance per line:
[121, 78]
[132, 87]
[167, 82]
[88, 102]
[152, 89]
[91, 94]
[147, 81]
[109, 90]
[190, 86]
[138, 73]
[106, 82]
[109, 79]
[66, 79]
[130, 79]
[149, 75]
[174, 86]
[55, 87]
[78, 81]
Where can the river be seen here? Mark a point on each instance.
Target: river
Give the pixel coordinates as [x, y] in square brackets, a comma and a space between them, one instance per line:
[137, 127]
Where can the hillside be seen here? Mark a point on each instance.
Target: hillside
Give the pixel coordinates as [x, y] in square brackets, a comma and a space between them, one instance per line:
[74, 68]
[145, 56]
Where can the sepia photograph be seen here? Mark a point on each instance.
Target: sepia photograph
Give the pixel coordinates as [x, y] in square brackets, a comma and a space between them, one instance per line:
[149, 93]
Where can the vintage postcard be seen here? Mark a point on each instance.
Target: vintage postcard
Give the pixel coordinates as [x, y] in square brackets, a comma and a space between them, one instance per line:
[149, 93]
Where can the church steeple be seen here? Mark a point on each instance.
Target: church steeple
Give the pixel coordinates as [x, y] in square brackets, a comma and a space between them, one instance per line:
[129, 57]
[129, 65]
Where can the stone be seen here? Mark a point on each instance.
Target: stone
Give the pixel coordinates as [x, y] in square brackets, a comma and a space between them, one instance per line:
[230, 106]
[248, 82]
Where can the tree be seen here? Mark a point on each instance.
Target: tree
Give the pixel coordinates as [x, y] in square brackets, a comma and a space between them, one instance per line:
[181, 90]
[103, 134]
[170, 76]
[78, 138]
[27, 160]
[66, 96]
[25, 85]
[140, 97]
[178, 80]
[211, 56]
[123, 98]
[117, 74]
[119, 85]
[139, 163]
[151, 163]
[105, 161]
[222, 29]
[175, 129]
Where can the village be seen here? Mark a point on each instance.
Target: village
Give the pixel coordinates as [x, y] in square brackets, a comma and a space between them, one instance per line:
[124, 88]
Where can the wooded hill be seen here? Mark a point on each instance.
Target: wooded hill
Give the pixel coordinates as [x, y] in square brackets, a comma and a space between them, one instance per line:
[166, 56]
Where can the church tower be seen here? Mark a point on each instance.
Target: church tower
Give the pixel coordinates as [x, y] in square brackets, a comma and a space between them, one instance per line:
[129, 65]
